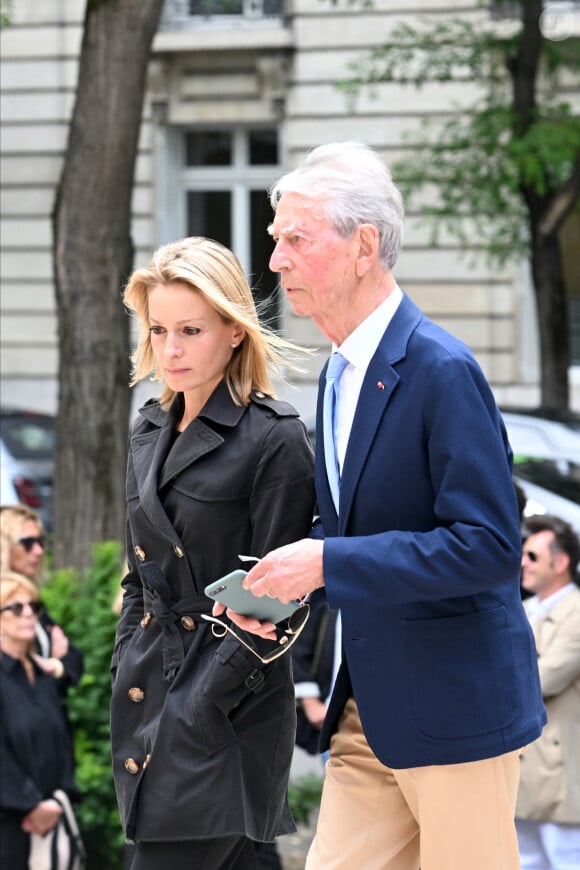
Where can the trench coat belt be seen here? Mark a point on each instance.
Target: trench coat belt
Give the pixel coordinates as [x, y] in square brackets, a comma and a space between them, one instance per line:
[157, 599]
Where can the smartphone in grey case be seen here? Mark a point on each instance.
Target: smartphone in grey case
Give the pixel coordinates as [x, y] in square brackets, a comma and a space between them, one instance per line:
[228, 590]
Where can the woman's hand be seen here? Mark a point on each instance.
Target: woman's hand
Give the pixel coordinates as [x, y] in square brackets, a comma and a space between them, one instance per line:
[267, 630]
[43, 818]
[51, 666]
[58, 642]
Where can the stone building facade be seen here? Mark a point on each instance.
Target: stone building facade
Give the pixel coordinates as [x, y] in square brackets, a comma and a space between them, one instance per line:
[238, 91]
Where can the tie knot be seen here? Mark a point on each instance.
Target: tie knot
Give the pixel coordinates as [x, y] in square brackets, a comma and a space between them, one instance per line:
[336, 366]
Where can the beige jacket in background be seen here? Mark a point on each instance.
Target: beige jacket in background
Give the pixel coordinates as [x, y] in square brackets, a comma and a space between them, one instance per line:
[550, 767]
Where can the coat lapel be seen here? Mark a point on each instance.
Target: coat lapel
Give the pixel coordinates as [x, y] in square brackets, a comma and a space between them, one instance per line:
[148, 450]
[157, 461]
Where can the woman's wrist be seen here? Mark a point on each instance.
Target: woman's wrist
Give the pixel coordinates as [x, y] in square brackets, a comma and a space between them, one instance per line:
[57, 668]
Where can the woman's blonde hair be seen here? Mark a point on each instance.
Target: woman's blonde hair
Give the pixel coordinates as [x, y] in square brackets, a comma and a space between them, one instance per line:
[12, 519]
[11, 582]
[214, 272]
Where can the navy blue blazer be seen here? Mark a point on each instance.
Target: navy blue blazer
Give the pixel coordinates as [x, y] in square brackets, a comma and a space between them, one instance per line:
[424, 559]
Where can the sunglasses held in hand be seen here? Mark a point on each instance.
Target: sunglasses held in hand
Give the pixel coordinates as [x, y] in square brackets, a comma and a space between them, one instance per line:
[18, 607]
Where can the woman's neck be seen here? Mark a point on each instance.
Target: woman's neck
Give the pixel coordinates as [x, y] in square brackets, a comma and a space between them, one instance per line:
[14, 648]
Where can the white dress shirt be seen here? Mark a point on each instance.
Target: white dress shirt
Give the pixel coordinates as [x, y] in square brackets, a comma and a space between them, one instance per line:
[537, 608]
[359, 348]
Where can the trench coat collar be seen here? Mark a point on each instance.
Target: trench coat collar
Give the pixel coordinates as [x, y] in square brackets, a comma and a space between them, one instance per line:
[219, 408]
[157, 460]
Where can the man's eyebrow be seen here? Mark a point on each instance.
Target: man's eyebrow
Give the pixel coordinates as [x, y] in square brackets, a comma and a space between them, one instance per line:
[283, 231]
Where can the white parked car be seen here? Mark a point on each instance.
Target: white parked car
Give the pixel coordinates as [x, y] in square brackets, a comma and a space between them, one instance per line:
[27, 457]
[547, 462]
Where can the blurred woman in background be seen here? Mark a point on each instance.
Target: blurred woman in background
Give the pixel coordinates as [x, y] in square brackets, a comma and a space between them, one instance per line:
[22, 549]
[35, 749]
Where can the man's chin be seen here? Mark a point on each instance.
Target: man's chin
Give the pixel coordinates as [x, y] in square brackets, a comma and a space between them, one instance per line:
[298, 309]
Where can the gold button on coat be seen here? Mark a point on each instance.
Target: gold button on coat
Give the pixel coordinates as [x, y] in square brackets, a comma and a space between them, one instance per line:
[140, 553]
[146, 620]
[188, 622]
[178, 552]
[132, 766]
[260, 394]
[136, 694]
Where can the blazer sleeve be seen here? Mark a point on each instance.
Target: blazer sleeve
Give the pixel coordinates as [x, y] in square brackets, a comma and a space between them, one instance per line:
[441, 518]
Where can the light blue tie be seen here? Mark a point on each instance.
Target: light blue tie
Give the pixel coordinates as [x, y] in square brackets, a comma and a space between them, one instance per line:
[336, 366]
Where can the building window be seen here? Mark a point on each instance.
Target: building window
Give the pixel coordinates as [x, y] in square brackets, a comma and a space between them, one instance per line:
[249, 8]
[226, 175]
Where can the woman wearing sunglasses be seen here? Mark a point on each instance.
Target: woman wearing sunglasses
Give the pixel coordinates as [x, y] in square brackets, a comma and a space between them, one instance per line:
[35, 750]
[22, 549]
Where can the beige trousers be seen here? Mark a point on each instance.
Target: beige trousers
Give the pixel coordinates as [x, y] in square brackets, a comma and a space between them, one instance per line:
[441, 817]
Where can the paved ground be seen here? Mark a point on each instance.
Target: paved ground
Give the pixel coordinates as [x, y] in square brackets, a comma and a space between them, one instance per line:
[293, 848]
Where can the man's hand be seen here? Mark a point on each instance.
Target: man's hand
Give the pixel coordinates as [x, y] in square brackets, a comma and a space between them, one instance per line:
[314, 710]
[288, 573]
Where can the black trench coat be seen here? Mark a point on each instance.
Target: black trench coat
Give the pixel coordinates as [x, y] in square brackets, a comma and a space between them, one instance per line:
[203, 733]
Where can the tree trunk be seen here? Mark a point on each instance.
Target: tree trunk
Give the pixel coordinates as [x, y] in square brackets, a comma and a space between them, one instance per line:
[92, 259]
[546, 252]
[552, 308]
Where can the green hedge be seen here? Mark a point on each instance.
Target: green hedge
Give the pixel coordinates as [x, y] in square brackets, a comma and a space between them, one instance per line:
[82, 605]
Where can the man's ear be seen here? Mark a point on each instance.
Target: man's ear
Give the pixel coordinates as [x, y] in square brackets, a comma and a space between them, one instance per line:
[561, 563]
[368, 248]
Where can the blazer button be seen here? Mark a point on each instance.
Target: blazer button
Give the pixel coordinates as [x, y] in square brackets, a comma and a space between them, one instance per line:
[189, 623]
[132, 766]
[146, 620]
[140, 553]
[178, 551]
[136, 695]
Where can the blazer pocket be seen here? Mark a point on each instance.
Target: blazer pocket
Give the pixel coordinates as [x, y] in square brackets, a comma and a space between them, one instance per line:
[462, 674]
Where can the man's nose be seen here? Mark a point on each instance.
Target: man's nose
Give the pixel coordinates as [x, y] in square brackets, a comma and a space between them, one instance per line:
[279, 259]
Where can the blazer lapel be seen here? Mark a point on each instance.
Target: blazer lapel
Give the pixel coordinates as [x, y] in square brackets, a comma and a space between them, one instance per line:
[378, 387]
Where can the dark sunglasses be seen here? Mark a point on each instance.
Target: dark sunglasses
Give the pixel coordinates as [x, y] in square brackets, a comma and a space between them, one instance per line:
[533, 557]
[28, 543]
[18, 607]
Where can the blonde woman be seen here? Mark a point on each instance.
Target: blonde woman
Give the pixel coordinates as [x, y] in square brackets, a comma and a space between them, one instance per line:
[22, 549]
[202, 729]
[34, 737]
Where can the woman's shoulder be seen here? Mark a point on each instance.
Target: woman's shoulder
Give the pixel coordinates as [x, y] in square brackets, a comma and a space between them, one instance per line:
[149, 413]
[277, 406]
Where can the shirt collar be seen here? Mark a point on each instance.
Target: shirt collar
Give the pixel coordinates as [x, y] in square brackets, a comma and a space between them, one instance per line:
[537, 608]
[361, 345]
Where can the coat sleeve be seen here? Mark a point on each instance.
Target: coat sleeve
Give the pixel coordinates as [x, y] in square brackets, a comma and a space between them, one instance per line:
[72, 661]
[282, 498]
